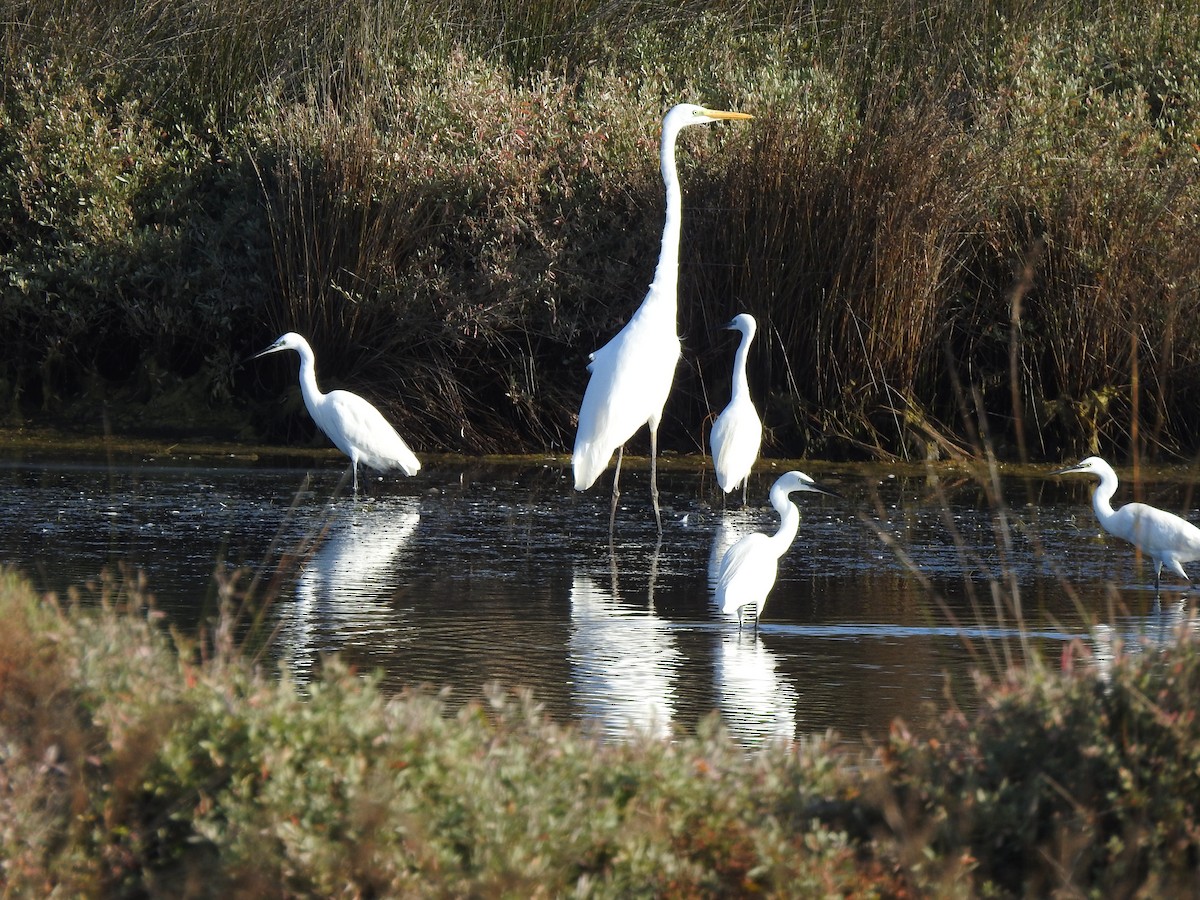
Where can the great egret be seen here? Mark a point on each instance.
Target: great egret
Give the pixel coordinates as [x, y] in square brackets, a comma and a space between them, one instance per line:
[356, 427]
[737, 434]
[631, 375]
[1165, 537]
[749, 567]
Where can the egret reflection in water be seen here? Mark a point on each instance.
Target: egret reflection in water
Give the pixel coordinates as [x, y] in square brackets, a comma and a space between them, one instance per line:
[1166, 624]
[346, 591]
[486, 594]
[757, 704]
[624, 661]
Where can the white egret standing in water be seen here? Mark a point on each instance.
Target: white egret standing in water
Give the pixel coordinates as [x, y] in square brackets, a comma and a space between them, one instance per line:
[737, 434]
[1165, 537]
[356, 427]
[631, 375]
[749, 567]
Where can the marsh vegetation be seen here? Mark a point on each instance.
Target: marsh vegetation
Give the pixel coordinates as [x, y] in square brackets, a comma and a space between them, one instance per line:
[965, 230]
[961, 207]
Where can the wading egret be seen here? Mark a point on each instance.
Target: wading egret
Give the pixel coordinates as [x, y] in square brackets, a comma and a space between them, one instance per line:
[1166, 538]
[631, 375]
[356, 427]
[749, 567]
[737, 434]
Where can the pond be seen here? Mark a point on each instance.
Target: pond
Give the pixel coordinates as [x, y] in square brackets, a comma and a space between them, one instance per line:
[478, 571]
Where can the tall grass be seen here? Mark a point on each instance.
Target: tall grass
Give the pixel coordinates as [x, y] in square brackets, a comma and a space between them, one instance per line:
[458, 202]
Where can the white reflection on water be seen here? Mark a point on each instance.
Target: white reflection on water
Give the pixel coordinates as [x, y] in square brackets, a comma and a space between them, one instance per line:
[1166, 624]
[345, 591]
[757, 704]
[623, 662]
[496, 544]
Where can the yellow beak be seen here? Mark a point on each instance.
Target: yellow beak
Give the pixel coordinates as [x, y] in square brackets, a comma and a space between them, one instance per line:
[722, 114]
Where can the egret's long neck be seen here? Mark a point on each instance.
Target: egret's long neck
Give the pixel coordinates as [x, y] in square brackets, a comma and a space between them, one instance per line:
[666, 276]
[741, 385]
[308, 380]
[1102, 496]
[789, 521]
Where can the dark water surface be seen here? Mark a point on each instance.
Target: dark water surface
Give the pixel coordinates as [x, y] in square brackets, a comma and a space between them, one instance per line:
[474, 572]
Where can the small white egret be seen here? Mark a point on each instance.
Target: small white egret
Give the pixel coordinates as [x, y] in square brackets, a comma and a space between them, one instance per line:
[737, 434]
[356, 427]
[749, 567]
[1165, 537]
[631, 375]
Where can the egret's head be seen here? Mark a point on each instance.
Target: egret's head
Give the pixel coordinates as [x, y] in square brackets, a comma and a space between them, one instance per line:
[1092, 465]
[791, 482]
[289, 341]
[743, 322]
[690, 114]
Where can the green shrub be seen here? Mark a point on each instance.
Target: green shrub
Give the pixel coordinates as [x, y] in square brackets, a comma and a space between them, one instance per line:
[130, 249]
[1065, 782]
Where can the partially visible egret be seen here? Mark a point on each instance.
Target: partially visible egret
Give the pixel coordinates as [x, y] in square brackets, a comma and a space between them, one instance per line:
[737, 434]
[1165, 537]
[356, 427]
[749, 567]
[631, 375]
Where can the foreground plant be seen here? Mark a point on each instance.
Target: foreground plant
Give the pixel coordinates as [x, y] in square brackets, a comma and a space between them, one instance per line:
[137, 764]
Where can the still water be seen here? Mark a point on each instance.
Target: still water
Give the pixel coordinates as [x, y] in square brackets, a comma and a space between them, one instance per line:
[476, 572]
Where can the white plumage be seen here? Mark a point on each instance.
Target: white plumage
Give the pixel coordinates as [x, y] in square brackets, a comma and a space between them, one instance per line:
[749, 567]
[737, 434]
[1165, 537]
[356, 427]
[631, 375]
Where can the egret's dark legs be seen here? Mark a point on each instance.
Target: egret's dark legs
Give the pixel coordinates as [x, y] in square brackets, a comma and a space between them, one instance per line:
[612, 562]
[653, 573]
[612, 513]
[745, 489]
[654, 476]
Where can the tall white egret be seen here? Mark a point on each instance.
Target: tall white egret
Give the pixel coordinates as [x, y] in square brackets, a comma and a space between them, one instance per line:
[631, 375]
[1165, 537]
[749, 567]
[737, 434]
[356, 427]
